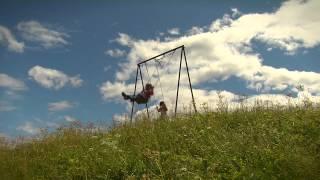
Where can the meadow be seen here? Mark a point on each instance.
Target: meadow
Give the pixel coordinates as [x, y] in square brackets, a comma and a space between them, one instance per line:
[248, 143]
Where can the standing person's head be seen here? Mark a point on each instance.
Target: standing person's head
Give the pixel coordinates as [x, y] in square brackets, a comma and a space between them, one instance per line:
[162, 104]
[149, 86]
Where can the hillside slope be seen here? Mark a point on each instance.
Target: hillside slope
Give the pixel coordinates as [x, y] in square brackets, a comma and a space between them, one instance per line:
[256, 144]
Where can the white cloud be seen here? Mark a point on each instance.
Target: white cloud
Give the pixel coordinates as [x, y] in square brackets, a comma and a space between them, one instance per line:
[115, 52]
[29, 127]
[195, 30]
[120, 118]
[11, 83]
[49, 124]
[36, 32]
[225, 50]
[34, 127]
[60, 106]
[235, 13]
[112, 90]
[293, 26]
[7, 39]
[76, 81]
[107, 68]
[53, 79]
[212, 100]
[124, 39]
[281, 79]
[174, 31]
[219, 24]
[70, 119]
[6, 106]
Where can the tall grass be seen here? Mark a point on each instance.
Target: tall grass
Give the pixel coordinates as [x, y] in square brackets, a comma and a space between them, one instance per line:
[255, 143]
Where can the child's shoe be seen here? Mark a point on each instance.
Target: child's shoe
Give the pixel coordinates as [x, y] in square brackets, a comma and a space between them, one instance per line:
[125, 97]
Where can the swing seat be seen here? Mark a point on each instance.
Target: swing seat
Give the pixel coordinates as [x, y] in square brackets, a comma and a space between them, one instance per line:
[141, 100]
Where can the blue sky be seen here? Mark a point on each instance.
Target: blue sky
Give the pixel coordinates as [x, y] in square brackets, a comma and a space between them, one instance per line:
[62, 61]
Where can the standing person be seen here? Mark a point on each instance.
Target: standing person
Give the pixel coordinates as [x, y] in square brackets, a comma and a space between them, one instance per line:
[162, 109]
[141, 98]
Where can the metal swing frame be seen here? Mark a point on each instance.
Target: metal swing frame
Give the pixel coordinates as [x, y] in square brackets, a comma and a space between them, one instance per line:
[182, 56]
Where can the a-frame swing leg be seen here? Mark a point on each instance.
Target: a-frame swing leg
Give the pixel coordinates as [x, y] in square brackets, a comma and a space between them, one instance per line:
[190, 85]
[185, 59]
[177, 96]
[134, 93]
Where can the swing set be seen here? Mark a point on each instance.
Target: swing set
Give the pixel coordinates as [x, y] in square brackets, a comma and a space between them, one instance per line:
[157, 59]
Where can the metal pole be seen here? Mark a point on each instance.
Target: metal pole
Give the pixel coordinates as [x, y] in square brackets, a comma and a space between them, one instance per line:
[134, 93]
[160, 54]
[143, 88]
[177, 96]
[185, 59]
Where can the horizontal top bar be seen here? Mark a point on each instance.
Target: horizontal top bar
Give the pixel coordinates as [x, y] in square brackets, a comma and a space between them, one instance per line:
[161, 54]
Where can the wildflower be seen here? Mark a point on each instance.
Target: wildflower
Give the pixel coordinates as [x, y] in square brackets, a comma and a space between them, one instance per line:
[111, 143]
[71, 160]
[90, 149]
[120, 150]
[144, 176]
[209, 127]
[183, 169]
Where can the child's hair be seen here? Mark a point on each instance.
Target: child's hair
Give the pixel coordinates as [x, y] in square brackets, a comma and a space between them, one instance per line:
[149, 86]
[162, 103]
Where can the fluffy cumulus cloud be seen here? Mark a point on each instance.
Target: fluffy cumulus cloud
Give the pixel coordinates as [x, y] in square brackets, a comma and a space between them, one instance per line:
[39, 33]
[9, 41]
[223, 49]
[120, 118]
[110, 90]
[34, 126]
[195, 30]
[29, 127]
[70, 119]
[11, 83]
[115, 52]
[53, 79]
[235, 13]
[60, 105]
[174, 31]
[293, 26]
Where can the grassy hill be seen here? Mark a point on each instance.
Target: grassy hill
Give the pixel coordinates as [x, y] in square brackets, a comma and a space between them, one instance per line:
[260, 143]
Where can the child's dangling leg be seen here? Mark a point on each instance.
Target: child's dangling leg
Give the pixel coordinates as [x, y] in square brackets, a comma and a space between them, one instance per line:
[126, 97]
[135, 98]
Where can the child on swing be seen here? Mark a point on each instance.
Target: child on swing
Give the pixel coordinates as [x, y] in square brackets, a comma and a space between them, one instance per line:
[141, 98]
[162, 110]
